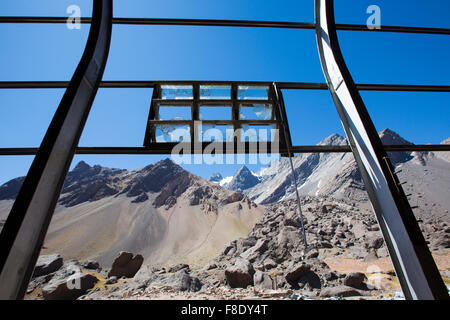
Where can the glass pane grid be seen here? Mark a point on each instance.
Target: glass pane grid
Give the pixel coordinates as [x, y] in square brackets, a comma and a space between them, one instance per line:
[255, 111]
[213, 105]
[168, 112]
[207, 112]
[215, 92]
[253, 93]
[172, 133]
[176, 92]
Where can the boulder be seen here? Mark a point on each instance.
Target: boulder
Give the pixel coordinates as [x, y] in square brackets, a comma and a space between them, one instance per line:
[126, 265]
[301, 276]
[69, 288]
[330, 276]
[111, 280]
[243, 244]
[255, 251]
[339, 291]
[442, 241]
[210, 266]
[240, 275]
[288, 237]
[180, 281]
[178, 267]
[269, 264]
[292, 222]
[91, 265]
[355, 280]
[312, 254]
[375, 241]
[47, 264]
[296, 271]
[262, 280]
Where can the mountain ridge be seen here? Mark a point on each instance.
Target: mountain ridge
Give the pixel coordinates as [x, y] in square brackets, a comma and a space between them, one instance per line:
[162, 211]
[331, 174]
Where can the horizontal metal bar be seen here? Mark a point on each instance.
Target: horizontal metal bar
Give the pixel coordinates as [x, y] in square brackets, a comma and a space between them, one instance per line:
[228, 23]
[424, 148]
[64, 84]
[174, 22]
[216, 23]
[403, 88]
[164, 148]
[180, 102]
[394, 29]
[218, 122]
[320, 149]
[19, 19]
[152, 84]
[281, 85]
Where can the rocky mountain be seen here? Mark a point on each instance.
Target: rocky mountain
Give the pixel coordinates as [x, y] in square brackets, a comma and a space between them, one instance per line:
[331, 174]
[172, 218]
[243, 179]
[162, 211]
[216, 177]
[336, 175]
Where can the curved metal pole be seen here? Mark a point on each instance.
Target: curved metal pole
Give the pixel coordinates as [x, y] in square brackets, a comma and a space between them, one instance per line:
[25, 229]
[413, 262]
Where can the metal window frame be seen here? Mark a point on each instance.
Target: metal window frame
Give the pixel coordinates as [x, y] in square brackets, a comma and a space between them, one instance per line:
[196, 102]
[17, 215]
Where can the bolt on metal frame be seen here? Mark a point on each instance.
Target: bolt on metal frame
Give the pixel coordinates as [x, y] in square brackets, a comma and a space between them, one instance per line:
[30, 216]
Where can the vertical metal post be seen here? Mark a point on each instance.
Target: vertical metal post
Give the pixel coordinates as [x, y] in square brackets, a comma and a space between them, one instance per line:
[25, 229]
[413, 262]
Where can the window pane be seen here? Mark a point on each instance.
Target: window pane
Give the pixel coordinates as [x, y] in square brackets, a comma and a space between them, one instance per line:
[215, 113]
[255, 111]
[172, 133]
[253, 133]
[253, 93]
[215, 92]
[218, 133]
[172, 92]
[174, 113]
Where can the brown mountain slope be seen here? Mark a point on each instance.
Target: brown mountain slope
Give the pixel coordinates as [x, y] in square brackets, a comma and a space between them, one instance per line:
[161, 211]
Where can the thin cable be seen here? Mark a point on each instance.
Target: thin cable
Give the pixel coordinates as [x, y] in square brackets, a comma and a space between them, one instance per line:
[294, 175]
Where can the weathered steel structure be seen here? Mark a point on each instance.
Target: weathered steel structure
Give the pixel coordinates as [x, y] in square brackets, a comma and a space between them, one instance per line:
[24, 231]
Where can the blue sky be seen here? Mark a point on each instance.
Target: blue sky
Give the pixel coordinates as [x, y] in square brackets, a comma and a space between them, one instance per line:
[52, 52]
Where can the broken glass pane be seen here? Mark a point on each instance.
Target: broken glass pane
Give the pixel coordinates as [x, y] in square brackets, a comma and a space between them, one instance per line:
[219, 133]
[172, 133]
[215, 113]
[175, 92]
[174, 112]
[215, 92]
[255, 111]
[261, 133]
[253, 93]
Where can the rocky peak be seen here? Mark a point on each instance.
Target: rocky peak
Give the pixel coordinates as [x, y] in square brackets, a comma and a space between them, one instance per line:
[10, 189]
[390, 137]
[215, 177]
[243, 179]
[81, 166]
[333, 140]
